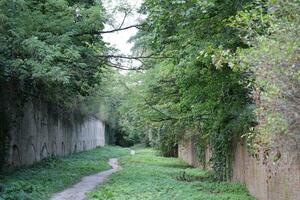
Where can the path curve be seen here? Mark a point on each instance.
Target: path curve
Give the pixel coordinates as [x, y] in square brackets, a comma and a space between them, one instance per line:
[87, 184]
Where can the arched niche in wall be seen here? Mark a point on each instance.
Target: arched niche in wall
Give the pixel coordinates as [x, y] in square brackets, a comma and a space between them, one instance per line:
[62, 148]
[78, 146]
[54, 149]
[44, 151]
[84, 146]
[31, 154]
[75, 148]
[16, 157]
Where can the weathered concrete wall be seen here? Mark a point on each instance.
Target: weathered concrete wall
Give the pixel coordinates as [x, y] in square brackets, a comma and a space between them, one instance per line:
[40, 133]
[274, 174]
[266, 177]
[187, 151]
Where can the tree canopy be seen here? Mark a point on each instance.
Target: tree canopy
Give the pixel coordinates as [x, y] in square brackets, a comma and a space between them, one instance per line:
[41, 53]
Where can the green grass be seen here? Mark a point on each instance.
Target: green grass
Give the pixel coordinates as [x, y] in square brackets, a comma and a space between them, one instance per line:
[53, 175]
[147, 176]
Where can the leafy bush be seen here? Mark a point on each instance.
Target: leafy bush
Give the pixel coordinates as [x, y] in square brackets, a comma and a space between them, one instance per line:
[42, 56]
[273, 59]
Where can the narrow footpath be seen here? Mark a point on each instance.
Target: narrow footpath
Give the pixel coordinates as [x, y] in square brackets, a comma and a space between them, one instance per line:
[87, 184]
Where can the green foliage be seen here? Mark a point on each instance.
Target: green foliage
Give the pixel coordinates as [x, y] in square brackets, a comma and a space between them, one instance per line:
[194, 89]
[114, 93]
[274, 61]
[52, 175]
[228, 69]
[149, 176]
[41, 54]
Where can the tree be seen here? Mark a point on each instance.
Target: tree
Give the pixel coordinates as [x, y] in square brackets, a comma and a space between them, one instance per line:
[39, 54]
[193, 87]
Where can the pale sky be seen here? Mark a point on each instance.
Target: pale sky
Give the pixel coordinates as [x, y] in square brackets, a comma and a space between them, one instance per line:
[119, 39]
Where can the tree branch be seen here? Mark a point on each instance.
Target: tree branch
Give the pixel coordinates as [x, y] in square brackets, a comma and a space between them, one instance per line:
[134, 57]
[123, 21]
[118, 66]
[109, 31]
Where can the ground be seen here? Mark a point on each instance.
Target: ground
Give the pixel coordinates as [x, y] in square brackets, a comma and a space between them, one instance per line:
[147, 176]
[87, 184]
[40, 181]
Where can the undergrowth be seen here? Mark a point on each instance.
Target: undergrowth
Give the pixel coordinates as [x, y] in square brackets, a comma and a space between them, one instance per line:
[43, 179]
[149, 176]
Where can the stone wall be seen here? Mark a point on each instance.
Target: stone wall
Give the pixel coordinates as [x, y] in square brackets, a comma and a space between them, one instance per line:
[273, 174]
[40, 133]
[266, 177]
[187, 151]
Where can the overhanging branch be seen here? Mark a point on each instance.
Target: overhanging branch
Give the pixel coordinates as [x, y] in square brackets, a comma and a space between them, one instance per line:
[109, 31]
[118, 66]
[134, 57]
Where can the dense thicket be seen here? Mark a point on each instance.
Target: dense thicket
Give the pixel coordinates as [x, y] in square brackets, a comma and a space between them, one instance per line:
[274, 61]
[221, 64]
[42, 50]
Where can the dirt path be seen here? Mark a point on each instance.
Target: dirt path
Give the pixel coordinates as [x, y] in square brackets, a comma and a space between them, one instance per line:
[87, 184]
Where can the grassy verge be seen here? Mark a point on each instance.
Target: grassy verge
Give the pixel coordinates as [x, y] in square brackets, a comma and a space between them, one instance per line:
[53, 175]
[147, 176]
